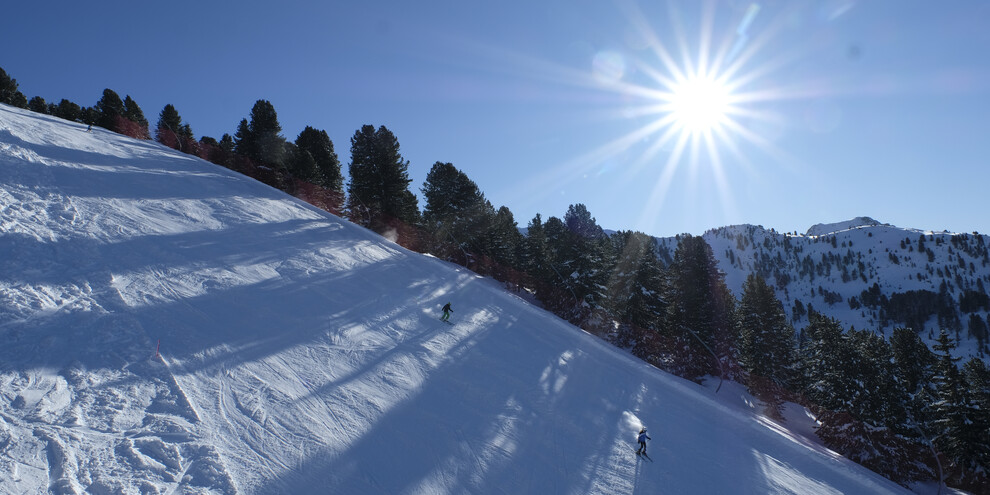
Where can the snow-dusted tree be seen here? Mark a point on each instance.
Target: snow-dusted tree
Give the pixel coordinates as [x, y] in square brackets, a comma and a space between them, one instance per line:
[977, 376]
[634, 287]
[766, 338]
[502, 243]
[957, 428]
[587, 255]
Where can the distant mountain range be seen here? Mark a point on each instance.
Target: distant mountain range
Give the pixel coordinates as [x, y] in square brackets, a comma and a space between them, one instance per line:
[867, 274]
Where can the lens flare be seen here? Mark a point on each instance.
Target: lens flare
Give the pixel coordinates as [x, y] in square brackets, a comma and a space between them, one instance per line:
[699, 104]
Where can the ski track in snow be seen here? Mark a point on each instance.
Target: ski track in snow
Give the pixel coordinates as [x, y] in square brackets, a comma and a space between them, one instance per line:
[302, 354]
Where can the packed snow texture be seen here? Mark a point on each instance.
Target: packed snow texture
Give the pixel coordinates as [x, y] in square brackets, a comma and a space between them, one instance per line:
[302, 354]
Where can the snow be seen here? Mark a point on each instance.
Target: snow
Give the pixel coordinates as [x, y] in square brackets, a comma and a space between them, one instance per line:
[302, 354]
[831, 228]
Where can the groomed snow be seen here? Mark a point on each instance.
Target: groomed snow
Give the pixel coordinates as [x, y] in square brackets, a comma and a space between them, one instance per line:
[302, 354]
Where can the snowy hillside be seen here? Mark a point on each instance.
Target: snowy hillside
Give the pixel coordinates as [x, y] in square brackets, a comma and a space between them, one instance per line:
[868, 275]
[302, 354]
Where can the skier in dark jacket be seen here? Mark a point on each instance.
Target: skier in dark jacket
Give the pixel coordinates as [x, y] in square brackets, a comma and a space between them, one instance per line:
[643, 437]
[446, 312]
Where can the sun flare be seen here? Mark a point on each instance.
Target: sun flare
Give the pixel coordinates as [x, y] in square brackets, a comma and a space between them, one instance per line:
[699, 104]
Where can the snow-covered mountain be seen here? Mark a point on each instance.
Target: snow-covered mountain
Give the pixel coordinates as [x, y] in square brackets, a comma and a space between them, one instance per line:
[831, 228]
[868, 275]
[169, 326]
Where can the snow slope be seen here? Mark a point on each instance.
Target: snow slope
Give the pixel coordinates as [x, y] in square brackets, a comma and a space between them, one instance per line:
[303, 354]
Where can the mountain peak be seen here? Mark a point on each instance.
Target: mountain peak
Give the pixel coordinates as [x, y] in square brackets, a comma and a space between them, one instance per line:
[831, 228]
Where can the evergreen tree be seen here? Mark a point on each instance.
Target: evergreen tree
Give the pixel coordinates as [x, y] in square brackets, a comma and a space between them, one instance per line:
[378, 192]
[766, 338]
[242, 139]
[503, 243]
[586, 252]
[636, 281]
[318, 144]
[67, 110]
[168, 127]
[267, 143]
[699, 310]
[110, 108]
[978, 329]
[9, 93]
[302, 165]
[137, 124]
[534, 253]
[37, 104]
[89, 115]
[851, 379]
[556, 287]
[227, 143]
[913, 368]
[977, 375]
[456, 211]
[172, 132]
[957, 419]
[634, 288]
[824, 358]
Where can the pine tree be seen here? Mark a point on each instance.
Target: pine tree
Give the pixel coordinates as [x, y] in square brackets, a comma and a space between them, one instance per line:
[327, 166]
[587, 253]
[137, 124]
[977, 375]
[956, 421]
[268, 142]
[37, 104]
[913, 368]
[67, 110]
[89, 115]
[456, 211]
[824, 358]
[302, 165]
[851, 379]
[502, 242]
[699, 309]
[9, 93]
[110, 108]
[634, 288]
[534, 253]
[766, 338]
[168, 127]
[378, 192]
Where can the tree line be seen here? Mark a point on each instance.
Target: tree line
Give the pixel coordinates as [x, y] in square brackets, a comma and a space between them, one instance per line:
[895, 406]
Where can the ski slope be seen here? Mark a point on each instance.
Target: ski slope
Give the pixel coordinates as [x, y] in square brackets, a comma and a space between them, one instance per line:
[302, 354]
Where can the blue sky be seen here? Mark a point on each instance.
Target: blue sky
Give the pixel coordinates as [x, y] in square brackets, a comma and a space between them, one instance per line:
[836, 109]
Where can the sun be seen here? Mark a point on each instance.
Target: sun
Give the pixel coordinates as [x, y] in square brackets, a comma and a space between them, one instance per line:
[699, 104]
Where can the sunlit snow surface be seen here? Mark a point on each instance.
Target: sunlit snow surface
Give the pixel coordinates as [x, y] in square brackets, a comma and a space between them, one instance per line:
[301, 354]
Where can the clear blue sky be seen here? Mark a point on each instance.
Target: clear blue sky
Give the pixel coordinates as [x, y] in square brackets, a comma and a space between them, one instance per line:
[837, 108]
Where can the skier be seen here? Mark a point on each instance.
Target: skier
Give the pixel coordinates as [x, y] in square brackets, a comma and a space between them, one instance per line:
[643, 437]
[446, 312]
